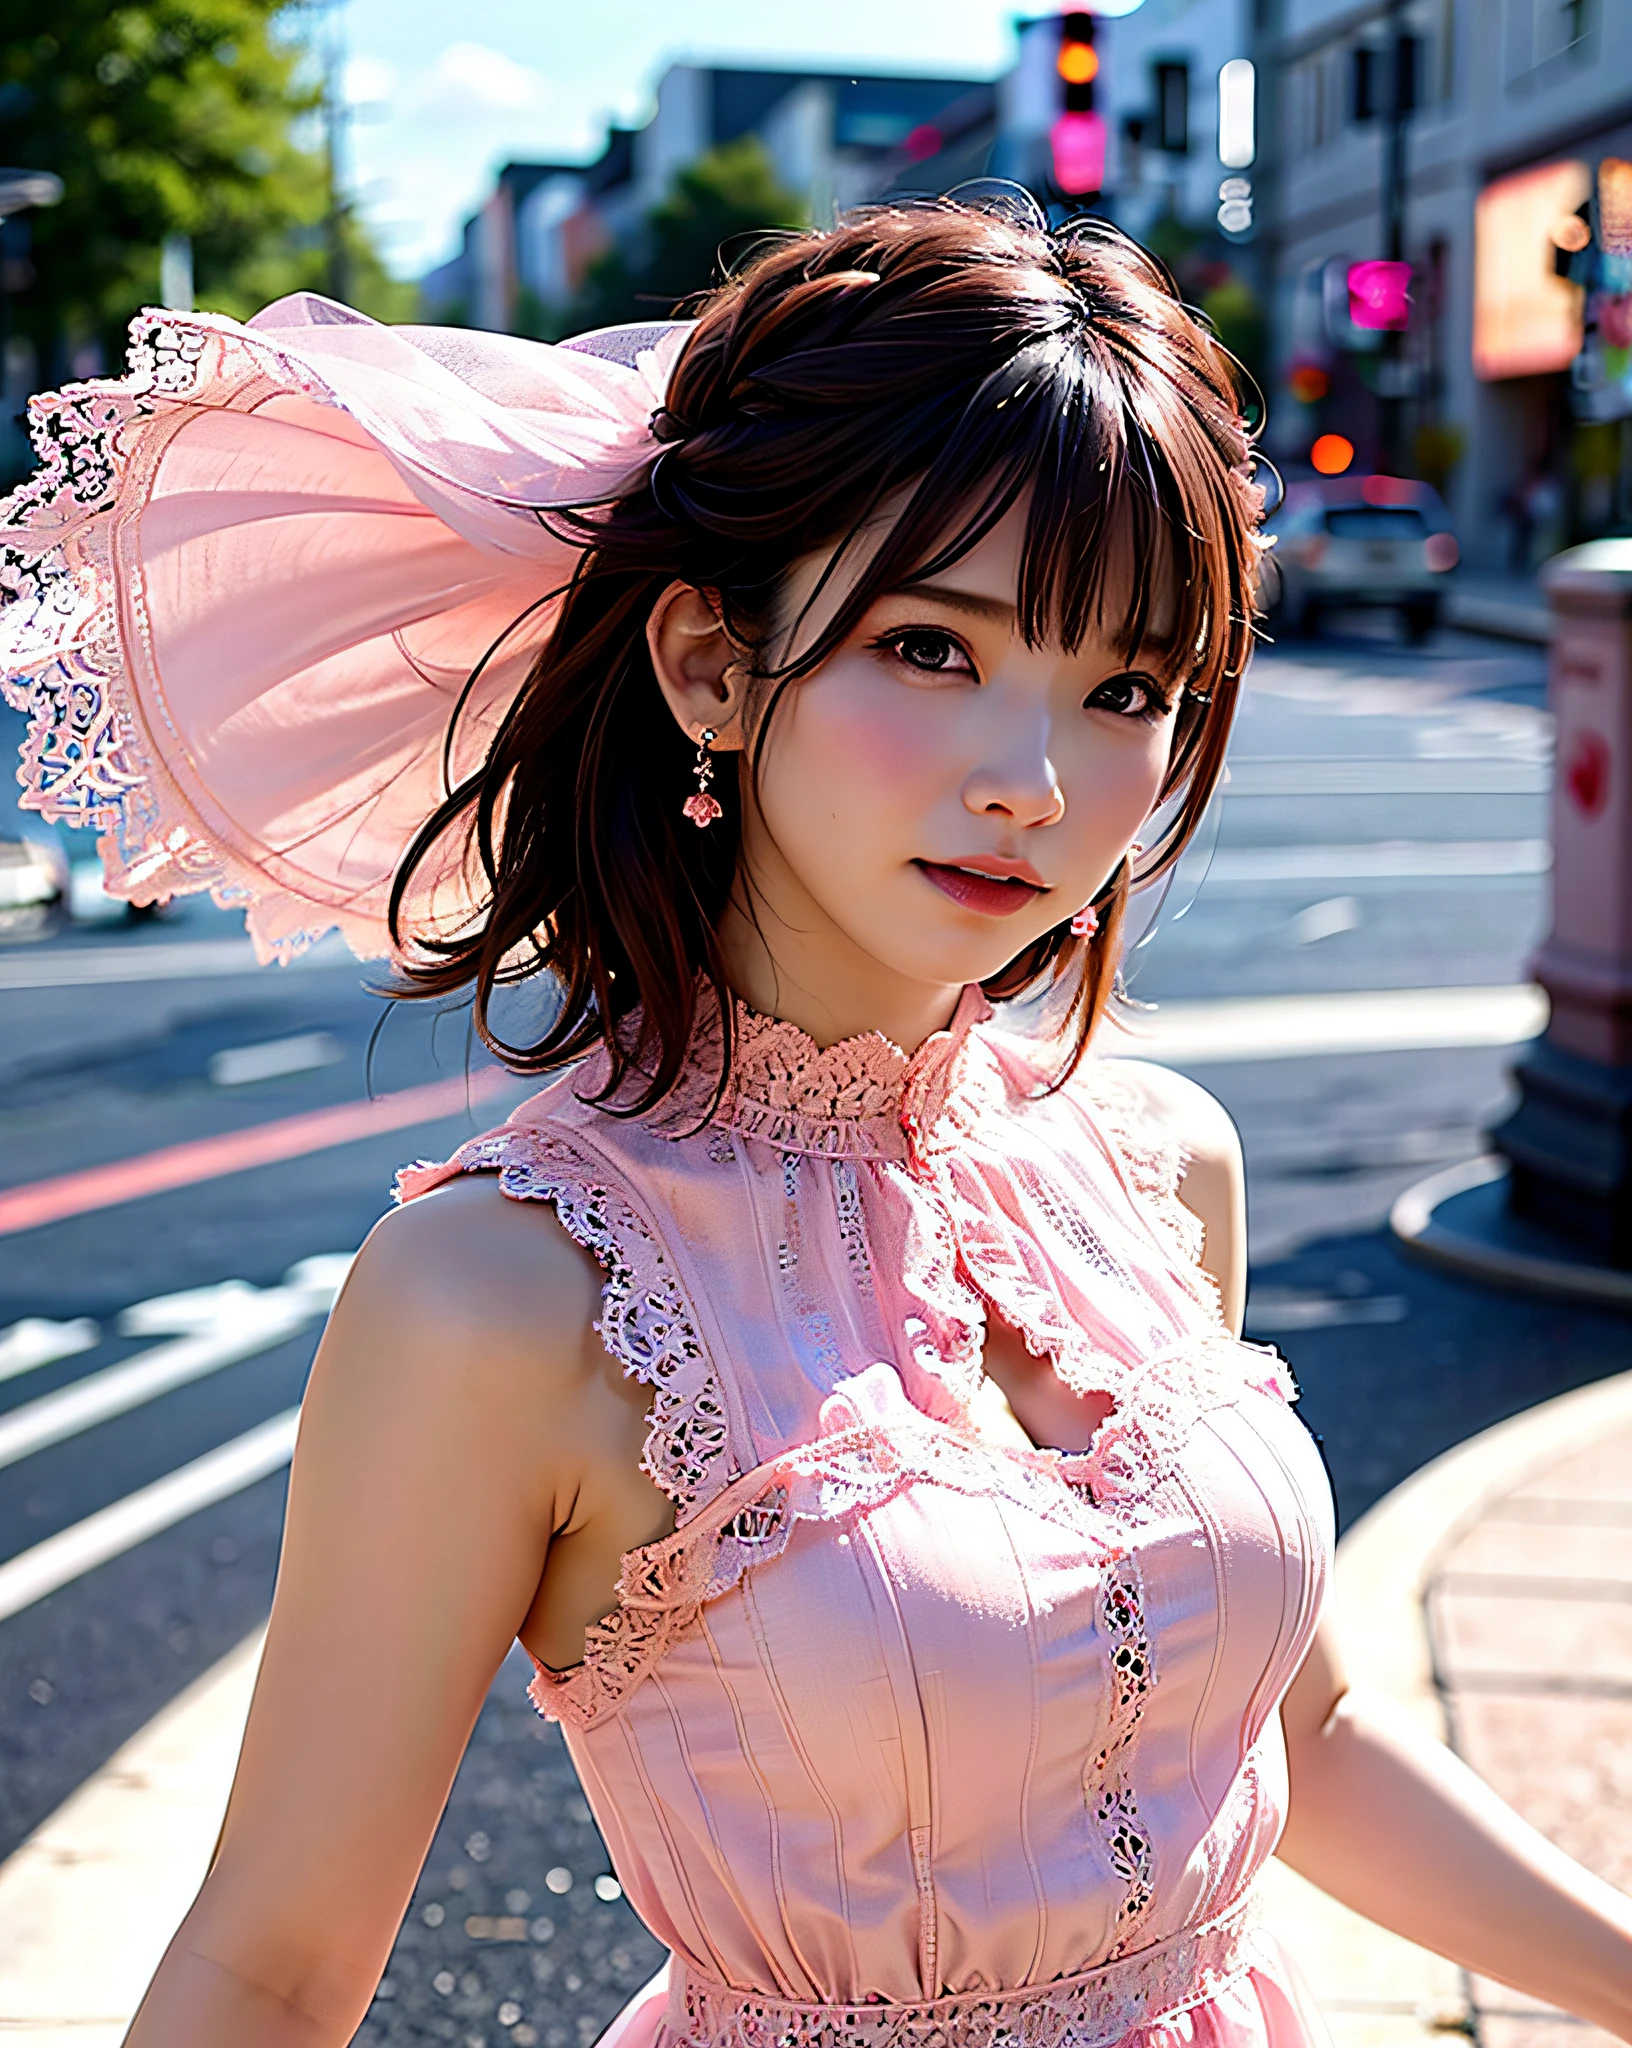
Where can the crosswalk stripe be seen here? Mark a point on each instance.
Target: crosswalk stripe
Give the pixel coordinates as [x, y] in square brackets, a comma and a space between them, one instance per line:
[1383, 860]
[183, 960]
[1241, 1028]
[118, 1388]
[113, 1530]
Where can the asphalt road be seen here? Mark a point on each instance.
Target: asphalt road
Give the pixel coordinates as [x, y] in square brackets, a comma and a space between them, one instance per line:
[1384, 827]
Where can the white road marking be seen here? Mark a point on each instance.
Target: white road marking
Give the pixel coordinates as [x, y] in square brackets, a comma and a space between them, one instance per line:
[1238, 1028]
[1378, 860]
[221, 1326]
[1288, 775]
[119, 1388]
[1326, 919]
[113, 1530]
[275, 1057]
[86, 966]
[1279, 1311]
[36, 1341]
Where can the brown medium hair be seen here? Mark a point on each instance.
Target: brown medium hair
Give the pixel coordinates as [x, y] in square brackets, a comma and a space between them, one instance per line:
[958, 354]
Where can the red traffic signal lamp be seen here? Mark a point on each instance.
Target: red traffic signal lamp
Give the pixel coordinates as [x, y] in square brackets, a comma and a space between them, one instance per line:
[1078, 134]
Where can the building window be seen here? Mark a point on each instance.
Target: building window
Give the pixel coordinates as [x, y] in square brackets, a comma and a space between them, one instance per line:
[1365, 82]
[1173, 108]
[1539, 30]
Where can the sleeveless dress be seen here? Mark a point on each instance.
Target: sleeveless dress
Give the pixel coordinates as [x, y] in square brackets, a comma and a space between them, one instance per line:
[907, 1738]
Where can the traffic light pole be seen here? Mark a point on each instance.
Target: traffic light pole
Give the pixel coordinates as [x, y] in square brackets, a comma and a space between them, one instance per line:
[1391, 366]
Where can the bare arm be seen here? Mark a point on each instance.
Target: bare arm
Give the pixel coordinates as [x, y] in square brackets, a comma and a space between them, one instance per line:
[449, 1437]
[1391, 1823]
[1382, 1817]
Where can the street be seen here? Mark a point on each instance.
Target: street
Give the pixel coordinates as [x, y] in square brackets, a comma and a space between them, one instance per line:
[1384, 827]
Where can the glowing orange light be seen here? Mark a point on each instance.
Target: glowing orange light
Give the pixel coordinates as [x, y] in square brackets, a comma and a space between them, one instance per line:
[1527, 320]
[1309, 383]
[1331, 454]
[1079, 63]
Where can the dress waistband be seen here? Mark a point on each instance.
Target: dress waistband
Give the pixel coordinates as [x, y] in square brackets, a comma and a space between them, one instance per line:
[1091, 2009]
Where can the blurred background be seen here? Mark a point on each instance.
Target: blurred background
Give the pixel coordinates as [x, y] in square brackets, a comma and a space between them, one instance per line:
[1410, 220]
[534, 172]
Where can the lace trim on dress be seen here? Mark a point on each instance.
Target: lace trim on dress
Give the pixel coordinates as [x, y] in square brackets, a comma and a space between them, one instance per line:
[1091, 2009]
[852, 1100]
[85, 760]
[664, 1586]
[1110, 1788]
[1153, 1163]
[841, 1101]
[1159, 1403]
[645, 1322]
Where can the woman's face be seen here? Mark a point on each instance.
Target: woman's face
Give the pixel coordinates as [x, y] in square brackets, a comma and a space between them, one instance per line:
[938, 794]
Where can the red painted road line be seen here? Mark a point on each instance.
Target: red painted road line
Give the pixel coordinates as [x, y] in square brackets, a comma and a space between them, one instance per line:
[289, 1137]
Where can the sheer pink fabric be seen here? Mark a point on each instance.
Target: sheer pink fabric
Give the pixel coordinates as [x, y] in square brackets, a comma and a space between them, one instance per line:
[250, 580]
[906, 1736]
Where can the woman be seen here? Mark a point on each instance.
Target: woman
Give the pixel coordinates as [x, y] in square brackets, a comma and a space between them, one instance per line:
[837, 1390]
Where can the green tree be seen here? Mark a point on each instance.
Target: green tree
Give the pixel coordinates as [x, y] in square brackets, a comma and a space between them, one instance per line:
[710, 211]
[162, 117]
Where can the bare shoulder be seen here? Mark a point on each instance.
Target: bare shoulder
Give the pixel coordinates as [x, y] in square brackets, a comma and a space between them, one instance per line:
[1196, 1120]
[468, 1260]
[466, 1315]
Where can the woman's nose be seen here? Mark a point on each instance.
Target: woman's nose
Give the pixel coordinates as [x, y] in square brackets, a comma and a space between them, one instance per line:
[1025, 790]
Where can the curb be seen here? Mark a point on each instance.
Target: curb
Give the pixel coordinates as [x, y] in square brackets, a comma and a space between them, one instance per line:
[1425, 1235]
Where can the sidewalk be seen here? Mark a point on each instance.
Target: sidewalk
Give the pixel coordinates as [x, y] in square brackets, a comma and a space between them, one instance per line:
[1491, 1595]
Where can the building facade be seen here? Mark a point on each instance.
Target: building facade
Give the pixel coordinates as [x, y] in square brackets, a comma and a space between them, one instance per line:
[1475, 134]
[1510, 388]
[832, 140]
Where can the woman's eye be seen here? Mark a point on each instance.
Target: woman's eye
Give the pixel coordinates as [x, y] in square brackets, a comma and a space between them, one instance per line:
[1128, 696]
[930, 652]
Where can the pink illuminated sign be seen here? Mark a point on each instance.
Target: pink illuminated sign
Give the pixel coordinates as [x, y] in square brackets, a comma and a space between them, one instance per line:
[1079, 152]
[1380, 294]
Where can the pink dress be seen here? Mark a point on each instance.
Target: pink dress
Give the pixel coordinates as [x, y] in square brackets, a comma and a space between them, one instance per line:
[907, 1738]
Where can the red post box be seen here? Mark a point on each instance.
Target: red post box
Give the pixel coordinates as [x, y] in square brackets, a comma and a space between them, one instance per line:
[1569, 1141]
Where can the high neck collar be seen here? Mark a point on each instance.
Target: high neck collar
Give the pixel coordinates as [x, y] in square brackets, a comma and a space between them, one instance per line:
[860, 1099]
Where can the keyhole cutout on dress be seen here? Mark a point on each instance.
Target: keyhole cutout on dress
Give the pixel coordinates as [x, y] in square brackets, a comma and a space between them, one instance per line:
[1025, 1398]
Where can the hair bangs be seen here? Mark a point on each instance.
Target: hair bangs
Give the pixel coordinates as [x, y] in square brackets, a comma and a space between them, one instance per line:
[890, 388]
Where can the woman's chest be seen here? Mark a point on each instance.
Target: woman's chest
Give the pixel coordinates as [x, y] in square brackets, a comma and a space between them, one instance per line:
[931, 1631]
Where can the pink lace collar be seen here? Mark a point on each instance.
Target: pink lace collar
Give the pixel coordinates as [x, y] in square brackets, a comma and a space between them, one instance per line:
[858, 1099]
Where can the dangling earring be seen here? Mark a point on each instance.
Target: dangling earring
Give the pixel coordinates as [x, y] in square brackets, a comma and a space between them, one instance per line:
[701, 808]
[1085, 923]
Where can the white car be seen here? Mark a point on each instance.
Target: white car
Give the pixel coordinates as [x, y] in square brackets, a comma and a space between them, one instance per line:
[1378, 541]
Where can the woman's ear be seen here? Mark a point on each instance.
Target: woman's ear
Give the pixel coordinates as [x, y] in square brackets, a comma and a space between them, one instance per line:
[699, 670]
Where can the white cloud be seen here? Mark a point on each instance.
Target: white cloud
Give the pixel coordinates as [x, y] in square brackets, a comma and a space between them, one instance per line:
[368, 81]
[470, 78]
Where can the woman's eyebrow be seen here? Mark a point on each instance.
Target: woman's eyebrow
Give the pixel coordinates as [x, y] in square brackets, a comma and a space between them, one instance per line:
[958, 600]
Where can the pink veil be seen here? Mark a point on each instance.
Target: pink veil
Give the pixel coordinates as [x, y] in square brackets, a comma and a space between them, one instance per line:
[251, 579]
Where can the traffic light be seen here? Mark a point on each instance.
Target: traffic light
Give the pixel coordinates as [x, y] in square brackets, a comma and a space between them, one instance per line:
[1078, 134]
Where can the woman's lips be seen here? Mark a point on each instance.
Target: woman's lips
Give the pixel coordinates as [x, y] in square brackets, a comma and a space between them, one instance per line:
[995, 895]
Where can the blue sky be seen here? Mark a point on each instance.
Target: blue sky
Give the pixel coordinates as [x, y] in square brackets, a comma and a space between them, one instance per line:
[445, 92]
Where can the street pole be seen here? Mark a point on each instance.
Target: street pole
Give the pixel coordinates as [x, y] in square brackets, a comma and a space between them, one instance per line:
[1267, 18]
[338, 280]
[1391, 364]
[19, 190]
